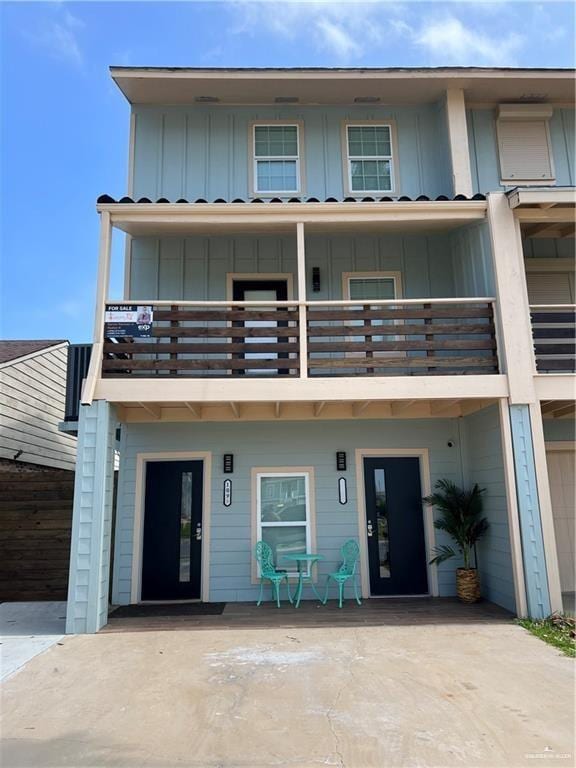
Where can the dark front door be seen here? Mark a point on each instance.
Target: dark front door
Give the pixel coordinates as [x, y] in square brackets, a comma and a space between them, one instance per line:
[172, 550]
[260, 290]
[395, 526]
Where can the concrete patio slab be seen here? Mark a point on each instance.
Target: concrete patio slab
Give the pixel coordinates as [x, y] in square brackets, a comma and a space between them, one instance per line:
[27, 629]
[466, 694]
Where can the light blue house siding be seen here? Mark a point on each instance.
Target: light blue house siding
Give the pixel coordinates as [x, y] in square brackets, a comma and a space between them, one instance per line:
[195, 268]
[265, 444]
[203, 152]
[559, 430]
[483, 144]
[483, 464]
[548, 248]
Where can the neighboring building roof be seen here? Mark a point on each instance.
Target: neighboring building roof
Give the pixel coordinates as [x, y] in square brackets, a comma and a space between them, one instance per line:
[12, 350]
[398, 85]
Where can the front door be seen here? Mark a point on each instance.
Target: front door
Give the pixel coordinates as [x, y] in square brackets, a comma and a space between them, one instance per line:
[260, 290]
[395, 526]
[172, 549]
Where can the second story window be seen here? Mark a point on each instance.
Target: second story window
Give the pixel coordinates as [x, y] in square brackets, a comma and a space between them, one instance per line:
[276, 159]
[524, 144]
[370, 162]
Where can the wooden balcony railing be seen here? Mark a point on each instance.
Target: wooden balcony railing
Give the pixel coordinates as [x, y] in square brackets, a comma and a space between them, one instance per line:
[337, 338]
[554, 332]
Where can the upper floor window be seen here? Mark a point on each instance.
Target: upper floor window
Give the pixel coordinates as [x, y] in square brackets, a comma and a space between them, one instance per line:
[524, 144]
[369, 158]
[276, 159]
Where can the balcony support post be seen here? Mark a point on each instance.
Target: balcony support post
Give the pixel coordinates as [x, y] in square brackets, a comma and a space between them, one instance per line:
[101, 294]
[458, 138]
[302, 320]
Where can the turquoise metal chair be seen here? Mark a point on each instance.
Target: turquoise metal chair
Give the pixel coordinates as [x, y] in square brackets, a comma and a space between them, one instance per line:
[350, 552]
[269, 572]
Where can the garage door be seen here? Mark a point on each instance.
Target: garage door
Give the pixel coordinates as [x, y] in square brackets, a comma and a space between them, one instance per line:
[563, 492]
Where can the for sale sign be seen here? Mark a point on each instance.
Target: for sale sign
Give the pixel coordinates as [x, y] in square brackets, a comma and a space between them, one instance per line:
[122, 320]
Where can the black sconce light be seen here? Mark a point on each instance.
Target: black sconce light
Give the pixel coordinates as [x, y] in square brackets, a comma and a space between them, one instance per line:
[228, 463]
[315, 279]
[341, 461]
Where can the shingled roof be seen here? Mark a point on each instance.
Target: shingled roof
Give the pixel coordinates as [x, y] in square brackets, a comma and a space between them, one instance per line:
[13, 349]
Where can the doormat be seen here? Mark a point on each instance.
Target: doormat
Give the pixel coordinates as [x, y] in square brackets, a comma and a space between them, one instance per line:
[166, 610]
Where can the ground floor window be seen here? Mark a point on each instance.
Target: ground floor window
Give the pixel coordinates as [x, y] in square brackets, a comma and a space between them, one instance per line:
[283, 514]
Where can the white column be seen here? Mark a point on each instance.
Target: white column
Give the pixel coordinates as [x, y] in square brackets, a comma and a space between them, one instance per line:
[301, 252]
[458, 138]
[516, 347]
[103, 280]
[87, 609]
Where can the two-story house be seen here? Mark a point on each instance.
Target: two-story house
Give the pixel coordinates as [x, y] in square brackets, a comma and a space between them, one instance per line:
[327, 308]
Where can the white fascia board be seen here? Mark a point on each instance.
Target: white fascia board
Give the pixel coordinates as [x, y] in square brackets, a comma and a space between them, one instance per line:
[345, 389]
[541, 196]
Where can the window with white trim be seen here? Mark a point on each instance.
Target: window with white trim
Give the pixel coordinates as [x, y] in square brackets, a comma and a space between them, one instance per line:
[364, 286]
[370, 163]
[283, 514]
[276, 159]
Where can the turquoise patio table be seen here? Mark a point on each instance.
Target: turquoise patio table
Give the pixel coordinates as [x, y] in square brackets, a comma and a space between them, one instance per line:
[299, 558]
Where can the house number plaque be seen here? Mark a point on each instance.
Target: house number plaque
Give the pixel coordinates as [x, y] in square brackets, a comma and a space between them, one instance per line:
[227, 493]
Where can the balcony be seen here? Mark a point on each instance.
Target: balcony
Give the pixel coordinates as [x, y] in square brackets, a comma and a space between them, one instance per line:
[320, 339]
[554, 334]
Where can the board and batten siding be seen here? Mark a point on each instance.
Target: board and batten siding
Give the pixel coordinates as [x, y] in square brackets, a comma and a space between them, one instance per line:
[195, 268]
[483, 462]
[548, 248]
[32, 398]
[472, 261]
[285, 444]
[484, 158]
[203, 152]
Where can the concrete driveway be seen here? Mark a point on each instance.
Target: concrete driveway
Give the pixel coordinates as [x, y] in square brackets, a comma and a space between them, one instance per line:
[27, 629]
[361, 697]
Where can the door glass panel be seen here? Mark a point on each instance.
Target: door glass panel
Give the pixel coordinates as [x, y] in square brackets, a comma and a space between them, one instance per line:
[260, 295]
[185, 526]
[283, 499]
[382, 523]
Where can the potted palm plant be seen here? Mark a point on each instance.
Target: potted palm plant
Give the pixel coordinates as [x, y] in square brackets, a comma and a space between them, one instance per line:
[460, 517]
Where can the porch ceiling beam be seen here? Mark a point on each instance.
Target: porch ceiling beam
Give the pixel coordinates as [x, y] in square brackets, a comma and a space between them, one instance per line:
[569, 231]
[437, 408]
[565, 411]
[154, 410]
[401, 406]
[235, 409]
[549, 406]
[537, 215]
[195, 410]
[545, 206]
[319, 407]
[539, 229]
[359, 408]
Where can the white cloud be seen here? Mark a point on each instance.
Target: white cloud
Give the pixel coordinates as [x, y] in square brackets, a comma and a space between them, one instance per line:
[58, 35]
[346, 30]
[448, 41]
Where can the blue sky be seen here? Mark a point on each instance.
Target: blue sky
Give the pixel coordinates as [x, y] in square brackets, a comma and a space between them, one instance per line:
[64, 125]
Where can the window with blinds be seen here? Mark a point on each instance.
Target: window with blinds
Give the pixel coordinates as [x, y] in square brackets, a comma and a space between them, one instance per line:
[525, 153]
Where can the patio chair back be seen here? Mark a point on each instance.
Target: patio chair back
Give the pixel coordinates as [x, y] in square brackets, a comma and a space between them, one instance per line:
[265, 558]
[350, 552]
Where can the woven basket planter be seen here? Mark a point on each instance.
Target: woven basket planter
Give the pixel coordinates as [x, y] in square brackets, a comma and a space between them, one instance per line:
[468, 585]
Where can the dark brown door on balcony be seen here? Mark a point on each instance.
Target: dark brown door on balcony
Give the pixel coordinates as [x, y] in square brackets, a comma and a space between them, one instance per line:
[172, 550]
[395, 526]
[260, 290]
